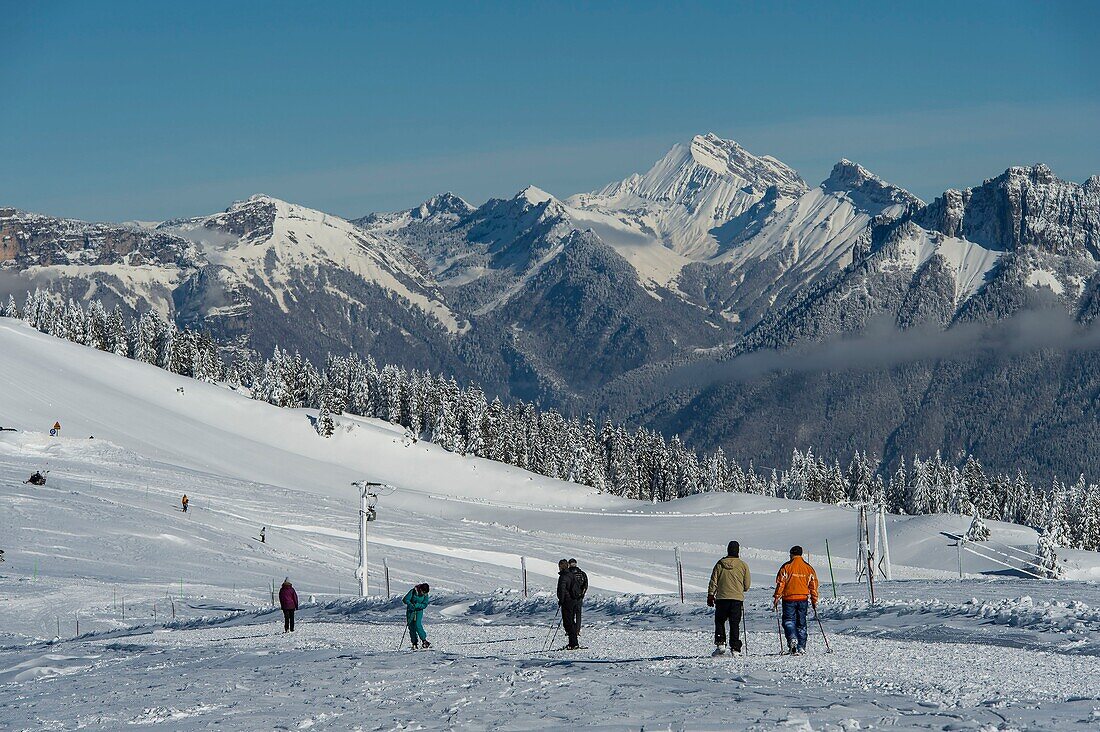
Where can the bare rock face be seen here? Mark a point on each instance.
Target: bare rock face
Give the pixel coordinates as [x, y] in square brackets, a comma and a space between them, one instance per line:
[29, 239]
[1023, 207]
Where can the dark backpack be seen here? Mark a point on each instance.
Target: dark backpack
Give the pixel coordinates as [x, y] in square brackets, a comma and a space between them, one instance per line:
[577, 584]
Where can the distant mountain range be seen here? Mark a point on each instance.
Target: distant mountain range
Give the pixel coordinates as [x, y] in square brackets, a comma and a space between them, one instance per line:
[599, 300]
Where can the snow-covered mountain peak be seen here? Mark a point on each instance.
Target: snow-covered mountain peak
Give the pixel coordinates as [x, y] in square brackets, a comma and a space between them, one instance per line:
[695, 188]
[708, 162]
[730, 160]
[530, 206]
[849, 174]
[257, 202]
[689, 172]
[258, 198]
[445, 207]
[534, 196]
[1040, 173]
[277, 246]
[865, 189]
[444, 203]
[713, 152]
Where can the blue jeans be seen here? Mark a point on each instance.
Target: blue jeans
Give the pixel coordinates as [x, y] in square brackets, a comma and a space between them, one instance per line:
[794, 621]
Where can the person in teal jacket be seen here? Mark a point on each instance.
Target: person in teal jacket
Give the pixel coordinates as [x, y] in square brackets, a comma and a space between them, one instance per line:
[415, 601]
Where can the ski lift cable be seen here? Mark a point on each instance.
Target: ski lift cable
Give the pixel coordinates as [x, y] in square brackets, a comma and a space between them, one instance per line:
[1016, 549]
[974, 546]
[1003, 564]
[1025, 554]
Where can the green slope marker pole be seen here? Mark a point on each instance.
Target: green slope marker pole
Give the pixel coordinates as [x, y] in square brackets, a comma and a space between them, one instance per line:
[832, 578]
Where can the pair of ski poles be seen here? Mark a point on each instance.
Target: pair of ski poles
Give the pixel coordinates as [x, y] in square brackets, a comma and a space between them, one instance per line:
[548, 642]
[779, 626]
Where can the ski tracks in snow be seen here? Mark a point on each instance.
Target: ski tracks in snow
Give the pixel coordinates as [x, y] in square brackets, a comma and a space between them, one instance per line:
[486, 676]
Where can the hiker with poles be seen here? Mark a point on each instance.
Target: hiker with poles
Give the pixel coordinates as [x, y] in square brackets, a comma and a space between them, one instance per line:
[415, 601]
[726, 594]
[796, 586]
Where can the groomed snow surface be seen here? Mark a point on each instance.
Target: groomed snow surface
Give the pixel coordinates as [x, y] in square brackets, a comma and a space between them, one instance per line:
[104, 543]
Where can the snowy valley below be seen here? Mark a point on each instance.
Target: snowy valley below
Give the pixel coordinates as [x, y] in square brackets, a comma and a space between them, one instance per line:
[177, 629]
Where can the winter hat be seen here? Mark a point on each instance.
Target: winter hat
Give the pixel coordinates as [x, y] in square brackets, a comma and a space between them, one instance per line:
[572, 562]
[733, 549]
[423, 587]
[286, 580]
[796, 551]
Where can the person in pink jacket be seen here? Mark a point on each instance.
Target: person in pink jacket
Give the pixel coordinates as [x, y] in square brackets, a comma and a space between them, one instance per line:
[288, 601]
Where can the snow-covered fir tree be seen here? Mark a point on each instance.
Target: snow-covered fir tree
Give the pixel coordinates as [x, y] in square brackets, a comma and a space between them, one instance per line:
[325, 425]
[978, 531]
[1047, 556]
[11, 309]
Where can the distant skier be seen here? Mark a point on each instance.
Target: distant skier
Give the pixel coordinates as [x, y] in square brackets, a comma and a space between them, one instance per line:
[726, 594]
[288, 601]
[184, 502]
[572, 586]
[796, 585]
[415, 601]
[36, 479]
[1, 555]
[263, 535]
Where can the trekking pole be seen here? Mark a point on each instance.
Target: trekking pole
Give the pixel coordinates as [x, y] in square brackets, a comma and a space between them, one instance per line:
[745, 625]
[403, 632]
[820, 625]
[546, 638]
[555, 636]
[832, 578]
[779, 627]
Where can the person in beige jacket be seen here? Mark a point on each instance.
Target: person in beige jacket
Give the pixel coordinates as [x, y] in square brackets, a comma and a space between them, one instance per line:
[726, 594]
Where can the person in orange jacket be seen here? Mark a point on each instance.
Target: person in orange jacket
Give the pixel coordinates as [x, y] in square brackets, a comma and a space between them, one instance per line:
[796, 585]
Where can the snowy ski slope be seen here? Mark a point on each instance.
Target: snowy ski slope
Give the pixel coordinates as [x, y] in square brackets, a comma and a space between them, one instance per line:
[104, 544]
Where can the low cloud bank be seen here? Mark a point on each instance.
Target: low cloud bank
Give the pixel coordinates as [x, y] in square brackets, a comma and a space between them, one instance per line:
[882, 345]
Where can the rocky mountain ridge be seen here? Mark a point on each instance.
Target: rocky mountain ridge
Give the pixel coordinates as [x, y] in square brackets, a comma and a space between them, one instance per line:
[712, 252]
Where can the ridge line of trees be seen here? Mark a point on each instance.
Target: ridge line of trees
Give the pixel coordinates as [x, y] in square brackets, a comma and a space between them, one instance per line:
[638, 464]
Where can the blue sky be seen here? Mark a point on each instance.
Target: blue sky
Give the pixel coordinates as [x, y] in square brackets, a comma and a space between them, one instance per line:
[150, 110]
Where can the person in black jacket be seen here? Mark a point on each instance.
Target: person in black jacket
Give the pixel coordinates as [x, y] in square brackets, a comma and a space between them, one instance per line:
[582, 580]
[572, 586]
[563, 580]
